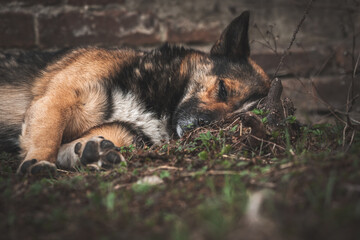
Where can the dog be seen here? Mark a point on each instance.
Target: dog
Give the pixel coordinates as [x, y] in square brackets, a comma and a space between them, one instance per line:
[77, 107]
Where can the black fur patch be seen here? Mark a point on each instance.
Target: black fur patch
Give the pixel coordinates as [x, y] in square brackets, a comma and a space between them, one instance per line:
[155, 78]
[140, 138]
[109, 109]
[21, 67]
[9, 137]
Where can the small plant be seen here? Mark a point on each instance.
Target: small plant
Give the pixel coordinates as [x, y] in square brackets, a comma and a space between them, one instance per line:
[225, 149]
[109, 201]
[122, 168]
[205, 139]
[264, 120]
[290, 119]
[234, 128]
[262, 113]
[164, 174]
[141, 188]
[127, 149]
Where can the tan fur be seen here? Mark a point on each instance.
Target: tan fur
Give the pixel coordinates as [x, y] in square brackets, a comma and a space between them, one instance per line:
[237, 90]
[13, 104]
[190, 61]
[113, 132]
[67, 97]
[261, 72]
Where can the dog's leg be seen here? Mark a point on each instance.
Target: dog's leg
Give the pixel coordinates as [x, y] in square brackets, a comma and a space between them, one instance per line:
[42, 132]
[98, 148]
[62, 113]
[70, 97]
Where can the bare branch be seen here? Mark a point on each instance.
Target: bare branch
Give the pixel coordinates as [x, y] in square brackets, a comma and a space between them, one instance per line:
[356, 65]
[286, 52]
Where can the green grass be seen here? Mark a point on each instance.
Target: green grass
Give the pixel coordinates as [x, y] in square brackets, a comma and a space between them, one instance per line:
[211, 179]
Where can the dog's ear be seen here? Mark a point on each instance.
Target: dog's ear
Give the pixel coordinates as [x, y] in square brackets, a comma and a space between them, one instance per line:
[234, 40]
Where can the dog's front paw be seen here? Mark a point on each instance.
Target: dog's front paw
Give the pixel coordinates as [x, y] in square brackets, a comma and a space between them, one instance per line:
[34, 167]
[98, 153]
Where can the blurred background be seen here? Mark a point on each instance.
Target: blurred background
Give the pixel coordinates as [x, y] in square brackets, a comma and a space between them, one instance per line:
[316, 74]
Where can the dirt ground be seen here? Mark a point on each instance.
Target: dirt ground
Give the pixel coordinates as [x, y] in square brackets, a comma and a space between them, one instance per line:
[234, 179]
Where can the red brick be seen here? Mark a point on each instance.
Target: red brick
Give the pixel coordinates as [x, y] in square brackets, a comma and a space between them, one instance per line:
[111, 27]
[138, 39]
[44, 2]
[34, 2]
[130, 21]
[196, 35]
[302, 64]
[74, 28]
[93, 2]
[6, 1]
[17, 30]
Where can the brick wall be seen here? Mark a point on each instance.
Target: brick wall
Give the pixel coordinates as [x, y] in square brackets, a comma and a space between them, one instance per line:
[56, 23]
[61, 23]
[327, 32]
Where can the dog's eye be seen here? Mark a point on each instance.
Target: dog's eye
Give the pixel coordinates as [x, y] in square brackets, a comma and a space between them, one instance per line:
[222, 91]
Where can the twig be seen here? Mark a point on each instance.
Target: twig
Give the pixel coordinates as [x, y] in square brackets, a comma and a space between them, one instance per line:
[63, 171]
[286, 52]
[265, 45]
[325, 63]
[319, 98]
[231, 124]
[212, 172]
[335, 112]
[356, 65]
[268, 44]
[165, 167]
[273, 38]
[351, 140]
[272, 143]
[119, 186]
[350, 100]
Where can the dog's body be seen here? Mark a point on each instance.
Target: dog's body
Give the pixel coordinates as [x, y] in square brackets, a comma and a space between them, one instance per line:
[76, 106]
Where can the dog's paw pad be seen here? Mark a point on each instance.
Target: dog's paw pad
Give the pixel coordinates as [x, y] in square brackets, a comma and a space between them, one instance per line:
[90, 153]
[99, 153]
[77, 148]
[25, 166]
[106, 144]
[113, 157]
[34, 167]
[43, 169]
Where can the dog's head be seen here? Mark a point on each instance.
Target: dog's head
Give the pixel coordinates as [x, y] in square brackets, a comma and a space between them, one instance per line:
[224, 81]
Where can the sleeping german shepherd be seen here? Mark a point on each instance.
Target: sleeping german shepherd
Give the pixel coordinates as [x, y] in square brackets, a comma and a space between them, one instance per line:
[76, 107]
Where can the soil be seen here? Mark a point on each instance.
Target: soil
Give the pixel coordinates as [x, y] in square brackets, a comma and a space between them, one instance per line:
[253, 175]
